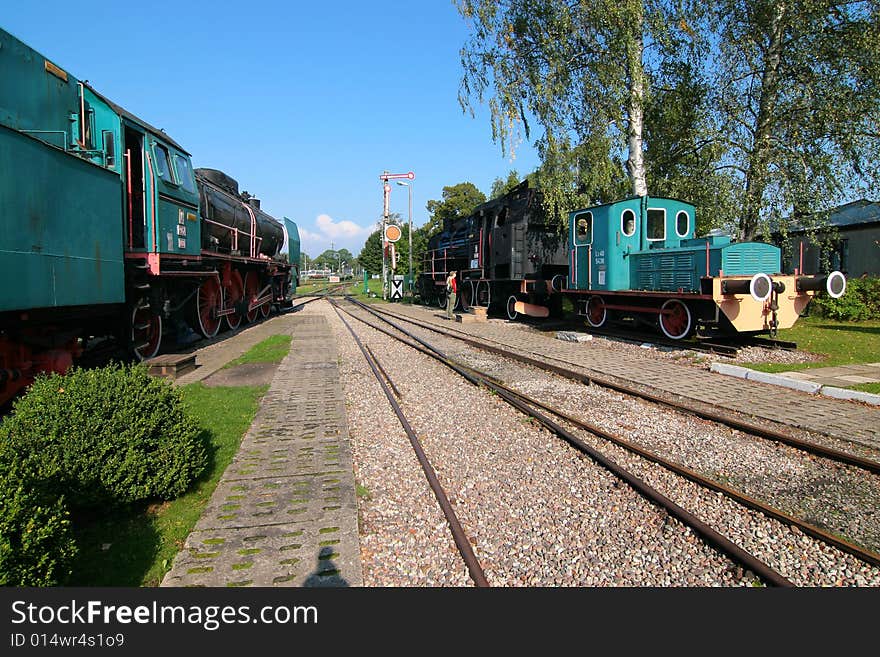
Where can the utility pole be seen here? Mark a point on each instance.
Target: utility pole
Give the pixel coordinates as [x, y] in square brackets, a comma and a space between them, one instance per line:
[409, 189]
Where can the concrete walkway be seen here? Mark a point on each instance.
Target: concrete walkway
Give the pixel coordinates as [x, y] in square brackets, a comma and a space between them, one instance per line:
[285, 512]
[841, 376]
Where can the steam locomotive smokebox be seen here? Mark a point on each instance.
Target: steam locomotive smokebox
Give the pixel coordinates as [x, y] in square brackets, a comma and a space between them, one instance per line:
[226, 211]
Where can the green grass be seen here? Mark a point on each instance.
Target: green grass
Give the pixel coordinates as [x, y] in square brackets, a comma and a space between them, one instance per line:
[841, 343]
[144, 540]
[270, 350]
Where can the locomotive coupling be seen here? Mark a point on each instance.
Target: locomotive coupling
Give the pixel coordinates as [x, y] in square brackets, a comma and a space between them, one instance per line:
[833, 283]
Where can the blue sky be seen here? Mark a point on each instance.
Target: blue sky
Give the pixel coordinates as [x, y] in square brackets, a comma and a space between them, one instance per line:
[305, 104]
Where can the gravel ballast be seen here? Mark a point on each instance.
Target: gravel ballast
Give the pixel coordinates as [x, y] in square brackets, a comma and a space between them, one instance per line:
[540, 514]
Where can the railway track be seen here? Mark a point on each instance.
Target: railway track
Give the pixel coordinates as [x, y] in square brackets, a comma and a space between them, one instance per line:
[715, 414]
[539, 411]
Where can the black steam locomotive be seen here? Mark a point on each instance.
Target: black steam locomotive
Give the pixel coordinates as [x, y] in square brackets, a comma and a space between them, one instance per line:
[508, 254]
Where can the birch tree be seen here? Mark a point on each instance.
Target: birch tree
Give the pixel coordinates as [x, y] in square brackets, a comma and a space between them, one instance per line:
[579, 69]
[798, 102]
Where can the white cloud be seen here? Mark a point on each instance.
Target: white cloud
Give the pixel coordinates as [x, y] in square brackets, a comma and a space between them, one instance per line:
[340, 229]
[328, 233]
[307, 236]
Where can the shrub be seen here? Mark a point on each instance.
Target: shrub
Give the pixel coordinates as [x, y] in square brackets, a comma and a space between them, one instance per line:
[36, 543]
[105, 437]
[861, 301]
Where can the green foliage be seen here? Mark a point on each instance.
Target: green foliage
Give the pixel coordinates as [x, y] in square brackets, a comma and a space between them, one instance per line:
[860, 302]
[754, 110]
[144, 541]
[797, 92]
[581, 70]
[683, 151]
[458, 201]
[36, 542]
[370, 257]
[104, 437]
[331, 259]
[500, 186]
[579, 176]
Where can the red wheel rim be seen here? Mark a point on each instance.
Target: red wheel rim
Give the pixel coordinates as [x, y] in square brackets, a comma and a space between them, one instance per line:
[251, 287]
[596, 312]
[146, 330]
[265, 309]
[234, 295]
[677, 324]
[209, 299]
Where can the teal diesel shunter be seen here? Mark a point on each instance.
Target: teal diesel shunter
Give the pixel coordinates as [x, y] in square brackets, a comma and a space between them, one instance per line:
[641, 258]
[105, 229]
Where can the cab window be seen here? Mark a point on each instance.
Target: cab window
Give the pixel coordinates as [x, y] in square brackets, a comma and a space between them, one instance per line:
[628, 222]
[584, 227]
[682, 224]
[184, 172]
[656, 224]
[163, 169]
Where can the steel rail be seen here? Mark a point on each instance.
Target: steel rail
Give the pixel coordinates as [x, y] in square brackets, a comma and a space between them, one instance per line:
[382, 369]
[842, 544]
[816, 532]
[458, 534]
[712, 537]
[715, 416]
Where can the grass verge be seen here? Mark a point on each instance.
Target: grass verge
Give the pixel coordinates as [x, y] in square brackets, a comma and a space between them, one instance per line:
[270, 350]
[135, 547]
[841, 343]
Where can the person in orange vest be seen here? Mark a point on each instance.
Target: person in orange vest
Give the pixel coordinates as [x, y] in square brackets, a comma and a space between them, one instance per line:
[451, 293]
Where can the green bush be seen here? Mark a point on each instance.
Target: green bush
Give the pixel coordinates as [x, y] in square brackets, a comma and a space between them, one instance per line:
[105, 437]
[36, 542]
[860, 302]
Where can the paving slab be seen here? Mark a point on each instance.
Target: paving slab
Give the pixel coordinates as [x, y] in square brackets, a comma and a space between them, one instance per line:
[284, 512]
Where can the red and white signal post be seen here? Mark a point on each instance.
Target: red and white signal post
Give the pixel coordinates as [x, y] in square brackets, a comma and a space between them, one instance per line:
[386, 239]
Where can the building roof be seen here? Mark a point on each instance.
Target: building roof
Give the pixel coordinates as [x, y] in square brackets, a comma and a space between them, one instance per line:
[850, 214]
[857, 212]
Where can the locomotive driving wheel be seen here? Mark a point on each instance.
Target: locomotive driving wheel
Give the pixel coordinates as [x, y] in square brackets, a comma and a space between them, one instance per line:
[146, 332]
[251, 288]
[465, 297]
[209, 299]
[234, 291]
[483, 294]
[595, 311]
[676, 323]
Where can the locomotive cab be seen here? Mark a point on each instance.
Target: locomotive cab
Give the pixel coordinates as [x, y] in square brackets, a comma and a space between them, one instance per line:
[605, 238]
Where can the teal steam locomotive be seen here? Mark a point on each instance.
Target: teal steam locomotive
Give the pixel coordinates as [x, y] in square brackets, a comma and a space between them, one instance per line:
[106, 229]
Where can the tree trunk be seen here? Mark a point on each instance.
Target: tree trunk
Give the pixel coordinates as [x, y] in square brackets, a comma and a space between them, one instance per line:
[635, 164]
[756, 173]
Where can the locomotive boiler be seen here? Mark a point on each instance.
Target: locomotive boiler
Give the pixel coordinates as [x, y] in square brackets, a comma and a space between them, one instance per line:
[227, 215]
